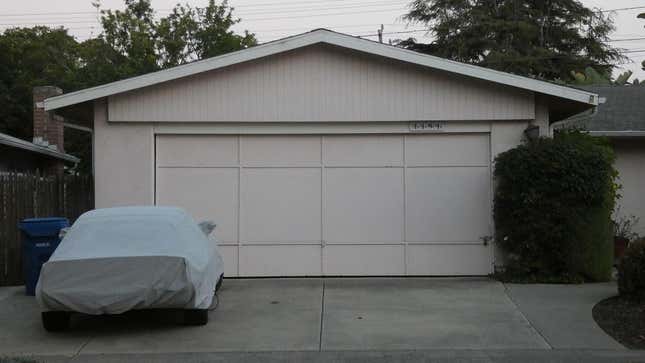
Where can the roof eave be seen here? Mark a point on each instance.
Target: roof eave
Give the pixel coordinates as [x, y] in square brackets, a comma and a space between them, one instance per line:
[26, 145]
[314, 37]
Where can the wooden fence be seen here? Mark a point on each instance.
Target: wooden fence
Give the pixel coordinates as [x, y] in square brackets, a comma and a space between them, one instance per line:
[32, 195]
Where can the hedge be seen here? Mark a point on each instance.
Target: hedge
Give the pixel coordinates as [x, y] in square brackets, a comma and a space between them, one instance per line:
[553, 203]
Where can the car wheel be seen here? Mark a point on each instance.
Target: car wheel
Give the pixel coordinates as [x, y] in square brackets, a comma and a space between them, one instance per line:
[196, 317]
[219, 283]
[55, 320]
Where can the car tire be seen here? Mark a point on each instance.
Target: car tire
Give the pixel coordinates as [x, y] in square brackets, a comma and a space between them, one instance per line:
[219, 283]
[196, 317]
[55, 320]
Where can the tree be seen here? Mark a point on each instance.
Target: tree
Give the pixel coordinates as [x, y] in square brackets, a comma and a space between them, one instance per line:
[536, 38]
[214, 35]
[131, 33]
[185, 35]
[32, 57]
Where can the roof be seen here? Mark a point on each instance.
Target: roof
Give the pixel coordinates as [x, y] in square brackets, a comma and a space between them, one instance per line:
[30, 146]
[621, 114]
[315, 37]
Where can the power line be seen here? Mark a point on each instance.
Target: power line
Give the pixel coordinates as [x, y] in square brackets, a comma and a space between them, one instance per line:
[629, 51]
[346, 4]
[245, 19]
[301, 9]
[273, 11]
[287, 3]
[391, 33]
[626, 39]
[78, 20]
[623, 9]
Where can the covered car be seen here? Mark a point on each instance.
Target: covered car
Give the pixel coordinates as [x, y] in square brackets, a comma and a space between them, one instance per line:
[119, 259]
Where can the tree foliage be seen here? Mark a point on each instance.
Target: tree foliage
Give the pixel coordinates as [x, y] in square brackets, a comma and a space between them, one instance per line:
[31, 57]
[537, 38]
[134, 41]
[591, 77]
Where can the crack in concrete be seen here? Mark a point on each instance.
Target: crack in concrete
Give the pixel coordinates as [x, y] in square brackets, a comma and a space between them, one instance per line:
[78, 351]
[517, 307]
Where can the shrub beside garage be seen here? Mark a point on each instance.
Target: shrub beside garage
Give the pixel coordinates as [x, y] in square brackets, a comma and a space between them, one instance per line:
[631, 271]
[553, 203]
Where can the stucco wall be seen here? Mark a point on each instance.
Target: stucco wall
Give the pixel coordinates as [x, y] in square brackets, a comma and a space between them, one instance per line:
[124, 161]
[630, 162]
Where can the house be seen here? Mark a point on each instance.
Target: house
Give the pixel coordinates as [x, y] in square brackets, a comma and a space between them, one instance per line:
[620, 116]
[321, 153]
[46, 154]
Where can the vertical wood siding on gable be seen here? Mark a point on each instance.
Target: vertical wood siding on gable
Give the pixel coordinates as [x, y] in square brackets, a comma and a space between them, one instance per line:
[322, 83]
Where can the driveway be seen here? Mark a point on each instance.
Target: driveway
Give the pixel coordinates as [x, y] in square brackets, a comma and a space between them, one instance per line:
[333, 315]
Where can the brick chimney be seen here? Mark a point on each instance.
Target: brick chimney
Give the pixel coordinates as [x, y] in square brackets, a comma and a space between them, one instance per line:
[48, 128]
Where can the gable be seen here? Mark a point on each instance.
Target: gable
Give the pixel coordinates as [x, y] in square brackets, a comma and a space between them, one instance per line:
[322, 83]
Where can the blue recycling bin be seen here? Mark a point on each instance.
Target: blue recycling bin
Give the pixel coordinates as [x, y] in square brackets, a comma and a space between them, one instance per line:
[40, 237]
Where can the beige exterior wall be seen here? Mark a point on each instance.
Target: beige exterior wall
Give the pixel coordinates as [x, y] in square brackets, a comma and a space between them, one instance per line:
[322, 83]
[542, 117]
[630, 163]
[123, 161]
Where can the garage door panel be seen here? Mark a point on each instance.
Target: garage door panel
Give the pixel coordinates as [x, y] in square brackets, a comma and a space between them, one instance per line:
[281, 205]
[448, 259]
[281, 150]
[280, 260]
[363, 205]
[196, 150]
[364, 260]
[352, 150]
[206, 193]
[229, 255]
[447, 204]
[447, 149]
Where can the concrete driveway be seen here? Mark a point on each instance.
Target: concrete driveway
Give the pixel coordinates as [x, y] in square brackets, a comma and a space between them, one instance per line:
[367, 314]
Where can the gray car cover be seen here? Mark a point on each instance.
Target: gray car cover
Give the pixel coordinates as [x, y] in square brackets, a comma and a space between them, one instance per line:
[118, 259]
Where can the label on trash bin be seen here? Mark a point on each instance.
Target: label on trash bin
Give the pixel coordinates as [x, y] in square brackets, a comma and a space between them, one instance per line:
[43, 244]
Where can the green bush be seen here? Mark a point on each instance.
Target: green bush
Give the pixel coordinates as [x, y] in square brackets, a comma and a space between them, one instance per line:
[631, 271]
[552, 209]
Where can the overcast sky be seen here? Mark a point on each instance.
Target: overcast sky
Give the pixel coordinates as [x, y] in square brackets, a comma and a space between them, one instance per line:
[273, 19]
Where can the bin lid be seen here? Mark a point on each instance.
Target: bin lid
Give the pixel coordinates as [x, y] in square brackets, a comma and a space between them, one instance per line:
[43, 227]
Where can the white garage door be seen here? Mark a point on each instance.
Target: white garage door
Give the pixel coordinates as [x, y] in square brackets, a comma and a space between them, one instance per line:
[336, 205]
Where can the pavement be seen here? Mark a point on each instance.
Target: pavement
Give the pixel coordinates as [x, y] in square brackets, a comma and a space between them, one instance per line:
[562, 313]
[362, 319]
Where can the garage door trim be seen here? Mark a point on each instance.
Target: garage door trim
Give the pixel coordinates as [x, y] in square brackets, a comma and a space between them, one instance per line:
[323, 166]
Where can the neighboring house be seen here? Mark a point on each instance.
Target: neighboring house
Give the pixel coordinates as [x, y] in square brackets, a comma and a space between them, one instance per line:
[620, 116]
[46, 154]
[321, 153]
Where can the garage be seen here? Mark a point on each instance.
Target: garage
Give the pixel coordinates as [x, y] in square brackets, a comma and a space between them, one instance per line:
[335, 205]
[321, 154]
